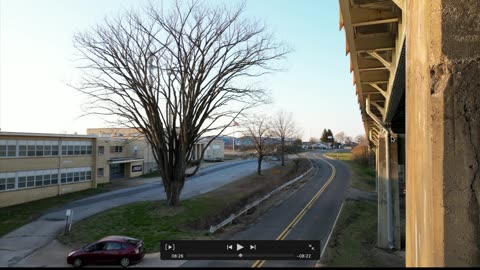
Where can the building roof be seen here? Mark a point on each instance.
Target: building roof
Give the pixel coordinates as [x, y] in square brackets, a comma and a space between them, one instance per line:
[31, 134]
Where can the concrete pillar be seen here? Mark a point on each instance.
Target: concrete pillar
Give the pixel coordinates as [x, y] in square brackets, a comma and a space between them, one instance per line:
[443, 133]
[397, 227]
[382, 192]
[382, 225]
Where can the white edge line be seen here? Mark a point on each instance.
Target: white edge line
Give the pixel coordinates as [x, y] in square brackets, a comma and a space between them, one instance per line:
[331, 231]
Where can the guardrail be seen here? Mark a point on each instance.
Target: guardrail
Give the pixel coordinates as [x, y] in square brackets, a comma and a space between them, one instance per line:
[230, 219]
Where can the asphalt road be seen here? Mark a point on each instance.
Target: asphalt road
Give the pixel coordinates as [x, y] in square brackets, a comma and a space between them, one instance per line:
[326, 190]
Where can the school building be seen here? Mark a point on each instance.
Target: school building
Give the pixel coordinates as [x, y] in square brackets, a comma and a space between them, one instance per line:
[35, 166]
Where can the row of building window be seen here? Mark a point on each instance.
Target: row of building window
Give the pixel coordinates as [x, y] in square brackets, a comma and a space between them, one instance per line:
[8, 148]
[31, 179]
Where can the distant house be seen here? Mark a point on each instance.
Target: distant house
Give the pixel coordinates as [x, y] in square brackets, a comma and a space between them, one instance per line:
[215, 150]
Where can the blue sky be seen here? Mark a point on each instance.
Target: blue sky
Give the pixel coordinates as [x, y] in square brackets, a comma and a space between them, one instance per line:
[36, 63]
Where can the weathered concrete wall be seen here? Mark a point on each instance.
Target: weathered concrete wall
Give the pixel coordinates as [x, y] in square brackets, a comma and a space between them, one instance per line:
[443, 133]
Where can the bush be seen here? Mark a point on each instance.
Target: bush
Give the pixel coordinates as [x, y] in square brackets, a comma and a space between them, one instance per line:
[360, 154]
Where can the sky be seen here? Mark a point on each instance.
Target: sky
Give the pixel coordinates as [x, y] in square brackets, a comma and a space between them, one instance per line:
[37, 62]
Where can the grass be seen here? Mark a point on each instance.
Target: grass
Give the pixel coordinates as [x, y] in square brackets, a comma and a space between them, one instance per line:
[363, 176]
[18, 215]
[154, 221]
[151, 174]
[340, 156]
[354, 236]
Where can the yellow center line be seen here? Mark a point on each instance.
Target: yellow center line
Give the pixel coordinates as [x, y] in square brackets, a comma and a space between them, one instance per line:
[294, 222]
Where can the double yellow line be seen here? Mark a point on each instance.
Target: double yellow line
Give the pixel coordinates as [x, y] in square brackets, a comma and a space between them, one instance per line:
[286, 231]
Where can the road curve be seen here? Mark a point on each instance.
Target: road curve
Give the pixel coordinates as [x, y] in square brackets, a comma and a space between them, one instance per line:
[310, 214]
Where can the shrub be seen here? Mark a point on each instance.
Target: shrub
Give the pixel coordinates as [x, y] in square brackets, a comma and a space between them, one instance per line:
[360, 154]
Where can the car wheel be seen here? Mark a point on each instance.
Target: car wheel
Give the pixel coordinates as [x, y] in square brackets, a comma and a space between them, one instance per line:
[78, 262]
[125, 262]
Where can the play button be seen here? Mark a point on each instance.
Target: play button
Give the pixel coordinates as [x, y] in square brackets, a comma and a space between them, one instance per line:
[239, 247]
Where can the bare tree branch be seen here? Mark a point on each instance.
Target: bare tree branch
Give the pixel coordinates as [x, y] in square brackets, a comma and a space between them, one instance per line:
[176, 77]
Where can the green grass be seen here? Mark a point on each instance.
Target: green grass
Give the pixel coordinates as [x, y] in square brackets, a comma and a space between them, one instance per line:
[363, 175]
[18, 215]
[354, 236]
[151, 174]
[340, 156]
[149, 221]
[154, 221]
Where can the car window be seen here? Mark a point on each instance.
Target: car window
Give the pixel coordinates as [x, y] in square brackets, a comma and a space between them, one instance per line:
[112, 246]
[97, 246]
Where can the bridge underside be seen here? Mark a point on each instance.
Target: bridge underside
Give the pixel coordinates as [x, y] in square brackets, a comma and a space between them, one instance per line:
[415, 67]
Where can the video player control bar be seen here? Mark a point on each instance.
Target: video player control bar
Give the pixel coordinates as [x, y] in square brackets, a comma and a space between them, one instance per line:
[240, 250]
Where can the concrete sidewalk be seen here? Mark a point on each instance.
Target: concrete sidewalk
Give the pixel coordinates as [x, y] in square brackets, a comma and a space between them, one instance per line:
[17, 245]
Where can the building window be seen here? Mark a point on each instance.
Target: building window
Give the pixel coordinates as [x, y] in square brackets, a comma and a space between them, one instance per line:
[101, 150]
[77, 150]
[39, 152]
[3, 184]
[47, 150]
[7, 183]
[38, 180]
[8, 148]
[22, 182]
[54, 150]
[10, 183]
[22, 150]
[46, 179]
[31, 150]
[71, 150]
[64, 178]
[76, 176]
[30, 181]
[54, 179]
[100, 172]
[35, 179]
[69, 177]
[116, 149]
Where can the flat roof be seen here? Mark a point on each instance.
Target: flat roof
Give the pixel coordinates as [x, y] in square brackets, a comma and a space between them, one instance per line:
[31, 134]
[123, 160]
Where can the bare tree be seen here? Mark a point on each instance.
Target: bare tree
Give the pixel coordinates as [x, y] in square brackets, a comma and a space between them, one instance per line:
[340, 137]
[257, 128]
[283, 127]
[348, 140]
[177, 77]
[361, 139]
[313, 140]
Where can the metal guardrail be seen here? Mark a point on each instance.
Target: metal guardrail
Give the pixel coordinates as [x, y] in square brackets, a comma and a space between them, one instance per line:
[230, 219]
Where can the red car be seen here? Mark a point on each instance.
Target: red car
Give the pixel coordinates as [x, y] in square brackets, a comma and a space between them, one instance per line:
[121, 250]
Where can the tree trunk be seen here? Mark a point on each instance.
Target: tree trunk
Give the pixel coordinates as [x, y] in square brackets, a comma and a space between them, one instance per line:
[175, 188]
[283, 152]
[259, 169]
